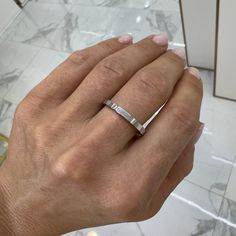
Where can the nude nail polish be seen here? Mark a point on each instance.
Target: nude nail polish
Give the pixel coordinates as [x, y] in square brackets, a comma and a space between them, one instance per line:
[199, 133]
[125, 39]
[161, 39]
[195, 72]
[180, 52]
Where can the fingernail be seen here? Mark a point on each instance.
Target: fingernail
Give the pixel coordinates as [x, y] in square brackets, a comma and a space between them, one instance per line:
[195, 72]
[125, 39]
[161, 39]
[180, 52]
[199, 133]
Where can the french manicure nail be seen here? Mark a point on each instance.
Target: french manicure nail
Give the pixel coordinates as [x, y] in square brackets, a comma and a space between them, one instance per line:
[161, 39]
[125, 39]
[195, 72]
[180, 52]
[199, 133]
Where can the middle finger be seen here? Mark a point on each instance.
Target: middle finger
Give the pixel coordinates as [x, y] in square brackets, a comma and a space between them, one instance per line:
[111, 74]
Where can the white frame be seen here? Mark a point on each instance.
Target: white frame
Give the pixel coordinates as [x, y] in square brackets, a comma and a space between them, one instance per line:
[225, 75]
[200, 50]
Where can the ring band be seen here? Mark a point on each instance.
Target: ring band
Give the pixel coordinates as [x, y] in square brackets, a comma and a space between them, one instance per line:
[126, 115]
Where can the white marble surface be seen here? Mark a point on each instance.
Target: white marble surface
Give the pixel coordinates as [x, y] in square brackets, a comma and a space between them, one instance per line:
[190, 210]
[144, 22]
[209, 173]
[44, 62]
[16, 55]
[231, 187]
[42, 37]
[14, 58]
[67, 27]
[7, 110]
[227, 226]
[81, 27]
[138, 4]
[36, 23]
[126, 229]
[226, 107]
[220, 133]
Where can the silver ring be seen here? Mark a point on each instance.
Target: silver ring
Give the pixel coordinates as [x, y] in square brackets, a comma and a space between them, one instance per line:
[126, 115]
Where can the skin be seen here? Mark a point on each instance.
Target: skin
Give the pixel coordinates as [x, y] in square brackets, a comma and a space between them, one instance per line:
[73, 163]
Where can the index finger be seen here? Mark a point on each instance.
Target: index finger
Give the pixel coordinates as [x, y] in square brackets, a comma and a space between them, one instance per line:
[65, 78]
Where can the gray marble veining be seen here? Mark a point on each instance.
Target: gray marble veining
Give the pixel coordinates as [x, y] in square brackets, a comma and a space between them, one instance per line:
[127, 3]
[72, 29]
[42, 32]
[4, 108]
[141, 23]
[137, 4]
[164, 23]
[228, 213]
[63, 37]
[81, 27]
[7, 110]
[9, 77]
[71, 23]
[204, 226]
[36, 23]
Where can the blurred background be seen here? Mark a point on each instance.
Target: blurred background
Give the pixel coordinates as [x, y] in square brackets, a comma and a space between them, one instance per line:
[37, 37]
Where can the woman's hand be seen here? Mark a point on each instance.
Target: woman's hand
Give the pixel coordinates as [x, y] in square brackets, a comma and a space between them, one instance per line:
[73, 163]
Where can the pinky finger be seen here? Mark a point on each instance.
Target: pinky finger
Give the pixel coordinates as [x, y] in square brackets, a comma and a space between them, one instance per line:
[178, 172]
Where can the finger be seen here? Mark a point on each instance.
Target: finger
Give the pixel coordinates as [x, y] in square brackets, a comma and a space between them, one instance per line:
[182, 167]
[142, 96]
[112, 73]
[178, 172]
[67, 76]
[171, 131]
[152, 193]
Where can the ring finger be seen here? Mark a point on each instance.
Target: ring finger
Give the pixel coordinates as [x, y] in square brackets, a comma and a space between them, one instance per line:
[142, 96]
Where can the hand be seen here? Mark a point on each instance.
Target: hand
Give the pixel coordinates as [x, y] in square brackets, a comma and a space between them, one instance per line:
[73, 163]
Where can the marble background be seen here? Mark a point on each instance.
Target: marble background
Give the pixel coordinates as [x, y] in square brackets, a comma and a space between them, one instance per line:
[47, 31]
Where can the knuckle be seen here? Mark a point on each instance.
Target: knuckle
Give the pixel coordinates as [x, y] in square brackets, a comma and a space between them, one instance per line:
[154, 82]
[89, 145]
[174, 59]
[20, 111]
[79, 57]
[24, 111]
[75, 169]
[79, 165]
[184, 118]
[112, 67]
[107, 46]
[189, 164]
[189, 169]
[145, 47]
[62, 171]
[197, 86]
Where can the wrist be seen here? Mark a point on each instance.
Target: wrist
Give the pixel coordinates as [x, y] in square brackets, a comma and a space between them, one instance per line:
[13, 221]
[5, 218]
[23, 216]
